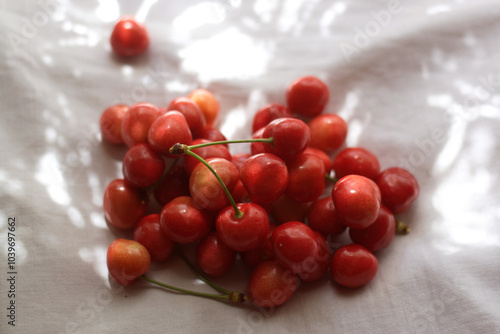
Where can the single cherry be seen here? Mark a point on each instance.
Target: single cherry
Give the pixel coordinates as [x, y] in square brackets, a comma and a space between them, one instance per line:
[307, 96]
[322, 217]
[213, 257]
[110, 123]
[399, 189]
[357, 201]
[208, 104]
[291, 137]
[137, 121]
[129, 37]
[328, 132]
[148, 233]
[127, 260]
[356, 160]
[306, 178]
[124, 205]
[193, 114]
[379, 234]
[271, 284]
[142, 167]
[167, 130]
[353, 266]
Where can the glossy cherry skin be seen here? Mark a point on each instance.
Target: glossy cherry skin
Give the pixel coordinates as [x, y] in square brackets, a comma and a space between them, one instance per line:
[212, 151]
[399, 189]
[328, 132]
[110, 123]
[307, 96]
[291, 137]
[142, 167]
[295, 246]
[353, 266]
[265, 177]
[167, 130]
[205, 188]
[127, 260]
[357, 200]
[378, 235]
[269, 113]
[175, 184]
[356, 160]
[148, 233]
[322, 155]
[271, 284]
[129, 37]
[208, 104]
[262, 253]
[192, 113]
[213, 257]
[306, 180]
[285, 209]
[245, 233]
[137, 121]
[322, 218]
[183, 222]
[317, 266]
[124, 205]
[257, 147]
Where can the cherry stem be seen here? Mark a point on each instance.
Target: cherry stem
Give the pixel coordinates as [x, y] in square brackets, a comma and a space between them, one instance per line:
[237, 212]
[231, 296]
[331, 178]
[200, 274]
[401, 228]
[256, 140]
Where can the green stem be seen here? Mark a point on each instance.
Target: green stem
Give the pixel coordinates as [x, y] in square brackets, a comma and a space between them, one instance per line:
[256, 140]
[231, 296]
[331, 178]
[200, 274]
[237, 212]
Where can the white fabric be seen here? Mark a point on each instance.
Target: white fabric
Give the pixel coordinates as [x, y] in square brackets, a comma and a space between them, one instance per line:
[417, 81]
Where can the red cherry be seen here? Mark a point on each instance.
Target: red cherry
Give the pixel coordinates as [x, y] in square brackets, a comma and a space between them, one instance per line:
[269, 113]
[148, 233]
[127, 260]
[208, 104]
[307, 96]
[244, 233]
[142, 167]
[306, 181]
[257, 147]
[167, 130]
[194, 117]
[357, 201]
[322, 218]
[183, 222]
[206, 189]
[137, 121]
[294, 245]
[175, 184]
[265, 177]
[379, 234]
[317, 266]
[356, 160]
[212, 134]
[206, 152]
[129, 37]
[353, 266]
[240, 194]
[124, 205]
[291, 137]
[271, 284]
[328, 132]
[399, 189]
[110, 123]
[213, 257]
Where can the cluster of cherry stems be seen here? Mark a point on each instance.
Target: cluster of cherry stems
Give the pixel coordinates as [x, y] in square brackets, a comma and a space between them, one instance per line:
[265, 207]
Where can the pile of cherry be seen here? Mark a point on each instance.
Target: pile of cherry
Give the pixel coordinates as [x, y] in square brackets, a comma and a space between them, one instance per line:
[266, 207]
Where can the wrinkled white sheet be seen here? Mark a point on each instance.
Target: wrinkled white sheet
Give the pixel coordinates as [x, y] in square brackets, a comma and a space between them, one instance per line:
[417, 81]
